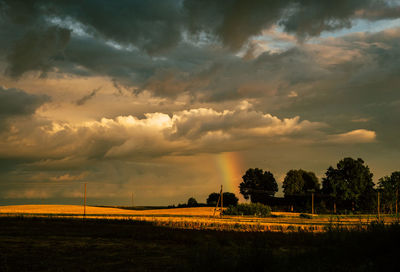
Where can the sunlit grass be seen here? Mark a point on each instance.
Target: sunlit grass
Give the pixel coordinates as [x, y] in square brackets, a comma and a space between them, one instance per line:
[201, 218]
[90, 210]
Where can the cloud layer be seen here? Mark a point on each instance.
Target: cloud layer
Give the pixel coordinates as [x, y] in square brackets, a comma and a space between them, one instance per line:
[146, 94]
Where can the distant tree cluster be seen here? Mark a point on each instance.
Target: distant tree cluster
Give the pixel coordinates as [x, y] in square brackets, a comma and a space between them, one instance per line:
[389, 186]
[300, 182]
[348, 187]
[229, 199]
[191, 202]
[258, 185]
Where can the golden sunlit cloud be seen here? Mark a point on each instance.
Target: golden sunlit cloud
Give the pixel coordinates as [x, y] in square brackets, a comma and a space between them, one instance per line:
[354, 136]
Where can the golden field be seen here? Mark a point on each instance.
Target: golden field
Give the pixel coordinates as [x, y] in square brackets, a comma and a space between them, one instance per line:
[198, 218]
[77, 209]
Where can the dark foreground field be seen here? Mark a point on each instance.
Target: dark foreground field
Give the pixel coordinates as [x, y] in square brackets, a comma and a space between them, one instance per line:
[45, 244]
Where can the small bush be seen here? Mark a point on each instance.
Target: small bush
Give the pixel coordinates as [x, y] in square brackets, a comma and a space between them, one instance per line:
[277, 215]
[255, 209]
[306, 216]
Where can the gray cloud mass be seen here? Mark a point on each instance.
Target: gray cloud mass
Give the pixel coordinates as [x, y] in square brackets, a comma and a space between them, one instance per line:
[36, 50]
[17, 103]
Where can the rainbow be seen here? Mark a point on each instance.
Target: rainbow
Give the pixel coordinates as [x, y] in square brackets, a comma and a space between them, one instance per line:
[229, 166]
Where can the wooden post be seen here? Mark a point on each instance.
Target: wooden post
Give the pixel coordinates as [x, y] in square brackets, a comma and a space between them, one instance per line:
[312, 203]
[397, 201]
[84, 203]
[216, 207]
[222, 200]
[334, 206]
[379, 212]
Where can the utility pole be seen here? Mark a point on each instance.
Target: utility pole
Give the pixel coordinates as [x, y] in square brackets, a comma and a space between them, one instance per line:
[219, 199]
[84, 203]
[379, 212]
[216, 207]
[334, 206]
[222, 200]
[312, 203]
[397, 201]
[312, 191]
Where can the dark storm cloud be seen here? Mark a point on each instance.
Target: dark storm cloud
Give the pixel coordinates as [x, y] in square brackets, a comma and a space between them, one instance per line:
[215, 75]
[103, 59]
[36, 50]
[151, 25]
[8, 164]
[359, 90]
[156, 26]
[382, 12]
[85, 98]
[228, 77]
[236, 20]
[17, 103]
[117, 86]
[206, 72]
[152, 52]
[311, 17]
[182, 69]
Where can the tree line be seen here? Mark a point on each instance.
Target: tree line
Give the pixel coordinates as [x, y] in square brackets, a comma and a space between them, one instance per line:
[348, 187]
[229, 199]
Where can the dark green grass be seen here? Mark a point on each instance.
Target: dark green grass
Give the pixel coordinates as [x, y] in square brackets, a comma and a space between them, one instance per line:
[51, 244]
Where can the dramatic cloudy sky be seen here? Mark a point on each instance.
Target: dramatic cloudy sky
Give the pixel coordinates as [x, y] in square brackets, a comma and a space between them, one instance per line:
[169, 99]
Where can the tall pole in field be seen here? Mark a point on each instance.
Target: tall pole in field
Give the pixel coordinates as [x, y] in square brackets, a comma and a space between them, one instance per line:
[397, 201]
[216, 207]
[219, 199]
[84, 203]
[222, 200]
[334, 206]
[379, 212]
[312, 203]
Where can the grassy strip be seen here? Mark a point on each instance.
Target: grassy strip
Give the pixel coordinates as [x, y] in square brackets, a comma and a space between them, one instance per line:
[231, 223]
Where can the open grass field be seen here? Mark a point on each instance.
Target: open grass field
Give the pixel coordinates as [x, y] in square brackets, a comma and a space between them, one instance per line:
[90, 210]
[72, 244]
[202, 218]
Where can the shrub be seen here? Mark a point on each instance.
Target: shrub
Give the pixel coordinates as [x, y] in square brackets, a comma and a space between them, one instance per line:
[255, 209]
[306, 216]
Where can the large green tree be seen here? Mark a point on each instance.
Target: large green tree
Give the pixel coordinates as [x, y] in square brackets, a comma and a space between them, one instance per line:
[229, 199]
[390, 185]
[350, 184]
[192, 202]
[300, 183]
[258, 185]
